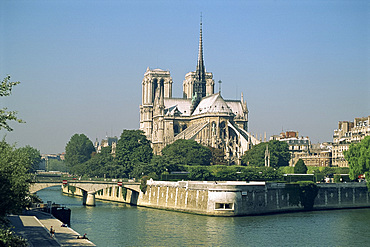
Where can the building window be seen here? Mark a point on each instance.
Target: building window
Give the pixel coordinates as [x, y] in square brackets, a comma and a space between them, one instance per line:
[224, 206]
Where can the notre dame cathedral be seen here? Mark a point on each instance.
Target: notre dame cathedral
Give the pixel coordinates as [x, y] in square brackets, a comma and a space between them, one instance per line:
[201, 115]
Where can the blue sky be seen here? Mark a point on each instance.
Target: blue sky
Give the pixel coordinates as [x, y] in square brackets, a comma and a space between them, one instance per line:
[301, 65]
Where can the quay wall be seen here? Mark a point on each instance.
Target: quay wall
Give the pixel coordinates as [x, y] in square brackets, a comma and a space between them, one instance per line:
[233, 198]
[241, 198]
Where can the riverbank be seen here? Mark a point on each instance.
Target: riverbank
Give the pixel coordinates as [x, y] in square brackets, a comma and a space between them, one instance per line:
[233, 198]
[34, 226]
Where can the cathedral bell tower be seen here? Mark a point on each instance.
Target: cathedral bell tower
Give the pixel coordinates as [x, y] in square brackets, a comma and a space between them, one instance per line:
[156, 85]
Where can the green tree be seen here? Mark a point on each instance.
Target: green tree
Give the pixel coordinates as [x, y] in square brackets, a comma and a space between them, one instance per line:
[188, 152]
[101, 164]
[14, 179]
[199, 173]
[358, 157]
[232, 173]
[218, 156]
[78, 150]
[133, 149]
[33, 155]
[300, 167]
[279, 154]
[57, 165]
[255, 156]
[6, 87]
[8, 238]
[159, 165]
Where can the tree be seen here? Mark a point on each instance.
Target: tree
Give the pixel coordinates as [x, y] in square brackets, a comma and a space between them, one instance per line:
[199, 173]
[255, 156]
[14, 179]
[133, 149]
[218, 156]
[279, 154]
[6, 87]
[188, 152]
[33, 155]
[78, 150]
[159, 165]
[300, 167]
[57, 165]
[101, 164]
[358, 157]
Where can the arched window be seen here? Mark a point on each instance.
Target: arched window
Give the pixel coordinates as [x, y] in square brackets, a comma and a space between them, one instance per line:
[222, 129]
[155, 85]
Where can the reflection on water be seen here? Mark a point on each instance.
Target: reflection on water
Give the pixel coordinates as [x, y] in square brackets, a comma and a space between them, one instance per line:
[114, 224]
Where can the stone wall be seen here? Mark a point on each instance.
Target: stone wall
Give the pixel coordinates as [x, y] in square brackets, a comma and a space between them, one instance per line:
[233, 198]
[342, 195]
[174, 196]
[240, 198]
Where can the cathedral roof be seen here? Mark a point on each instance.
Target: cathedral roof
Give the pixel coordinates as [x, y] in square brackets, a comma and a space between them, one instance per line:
[236, 106]
[182, 105]
[212, 104]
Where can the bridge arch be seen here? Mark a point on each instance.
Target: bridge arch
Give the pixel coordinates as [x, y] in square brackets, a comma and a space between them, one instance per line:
[88, 189]
[42, 185]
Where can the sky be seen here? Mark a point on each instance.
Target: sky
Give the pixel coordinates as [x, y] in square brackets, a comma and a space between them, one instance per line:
[301, 65]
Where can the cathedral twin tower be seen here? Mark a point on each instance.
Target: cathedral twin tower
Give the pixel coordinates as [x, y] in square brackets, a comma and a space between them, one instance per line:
[201, 115]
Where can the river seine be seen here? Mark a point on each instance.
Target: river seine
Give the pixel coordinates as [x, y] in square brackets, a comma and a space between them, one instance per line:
[115, 224]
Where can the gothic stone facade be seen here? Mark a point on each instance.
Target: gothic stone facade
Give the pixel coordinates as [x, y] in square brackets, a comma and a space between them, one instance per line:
[201, 115]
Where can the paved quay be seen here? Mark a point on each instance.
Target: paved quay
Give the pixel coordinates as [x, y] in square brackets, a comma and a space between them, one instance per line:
[34, 226]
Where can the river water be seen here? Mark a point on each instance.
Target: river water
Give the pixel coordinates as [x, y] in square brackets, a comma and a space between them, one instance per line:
[116, 224]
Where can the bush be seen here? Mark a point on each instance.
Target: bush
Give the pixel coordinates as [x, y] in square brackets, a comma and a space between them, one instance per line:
[8, 238]
[300, 167]
[199, 173]
[232, 173]
[286, 169]
[299, 177]
[143, 183]
[337, 178]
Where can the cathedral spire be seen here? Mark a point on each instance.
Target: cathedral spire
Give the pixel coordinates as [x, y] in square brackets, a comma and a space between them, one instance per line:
[201, 71]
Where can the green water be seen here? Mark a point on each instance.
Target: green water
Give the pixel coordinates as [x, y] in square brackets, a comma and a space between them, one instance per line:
[114, 224]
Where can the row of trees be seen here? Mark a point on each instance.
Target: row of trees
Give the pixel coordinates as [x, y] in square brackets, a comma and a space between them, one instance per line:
[15, 177]
[134, 157]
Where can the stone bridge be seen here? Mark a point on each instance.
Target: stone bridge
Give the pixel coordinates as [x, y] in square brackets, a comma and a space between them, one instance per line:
[89, 188]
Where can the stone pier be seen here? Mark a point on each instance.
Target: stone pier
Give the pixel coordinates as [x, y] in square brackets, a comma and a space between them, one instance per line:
[90, 199]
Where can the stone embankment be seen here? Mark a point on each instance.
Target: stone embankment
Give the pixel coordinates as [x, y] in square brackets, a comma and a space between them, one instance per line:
[234, 198]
